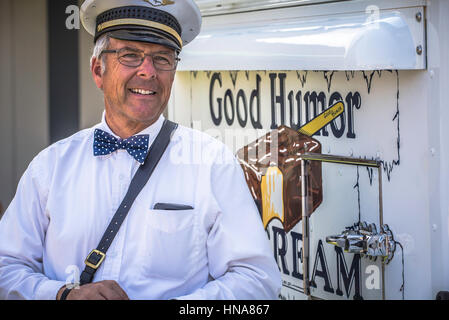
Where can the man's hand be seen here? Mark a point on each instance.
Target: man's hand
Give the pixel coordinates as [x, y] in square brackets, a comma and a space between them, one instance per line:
[103, 290]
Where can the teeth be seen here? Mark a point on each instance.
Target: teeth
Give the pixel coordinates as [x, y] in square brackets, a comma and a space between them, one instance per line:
[141, 91]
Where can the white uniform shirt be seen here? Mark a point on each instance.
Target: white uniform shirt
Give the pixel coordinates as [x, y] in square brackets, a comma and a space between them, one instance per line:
[67, 197]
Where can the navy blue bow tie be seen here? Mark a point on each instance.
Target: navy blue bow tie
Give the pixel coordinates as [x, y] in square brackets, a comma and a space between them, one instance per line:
[105, 143]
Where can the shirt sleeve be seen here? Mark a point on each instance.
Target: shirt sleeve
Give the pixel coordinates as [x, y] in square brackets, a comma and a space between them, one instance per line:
[241, 261]
[22, 234]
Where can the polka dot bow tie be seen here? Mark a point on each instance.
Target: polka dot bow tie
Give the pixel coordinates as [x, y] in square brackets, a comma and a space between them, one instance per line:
[105, 143]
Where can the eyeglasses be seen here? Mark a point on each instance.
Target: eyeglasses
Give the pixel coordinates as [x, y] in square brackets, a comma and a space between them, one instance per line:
[162, 61]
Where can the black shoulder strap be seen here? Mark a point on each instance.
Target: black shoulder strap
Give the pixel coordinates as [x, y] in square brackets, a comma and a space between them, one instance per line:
[96, 257]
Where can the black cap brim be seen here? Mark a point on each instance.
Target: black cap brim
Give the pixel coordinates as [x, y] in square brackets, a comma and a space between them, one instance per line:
[143, 36]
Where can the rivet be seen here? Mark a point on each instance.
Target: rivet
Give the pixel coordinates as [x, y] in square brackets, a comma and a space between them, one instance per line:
[419, 49]
[432, 151]
[418, 16]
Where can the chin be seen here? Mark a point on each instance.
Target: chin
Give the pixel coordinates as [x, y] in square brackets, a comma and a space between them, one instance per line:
[146, 118]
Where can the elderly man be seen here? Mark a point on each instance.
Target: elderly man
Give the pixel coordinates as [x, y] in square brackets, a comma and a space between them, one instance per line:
[191, 232]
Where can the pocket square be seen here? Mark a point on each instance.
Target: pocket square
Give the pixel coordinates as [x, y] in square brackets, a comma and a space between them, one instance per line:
[171, 206]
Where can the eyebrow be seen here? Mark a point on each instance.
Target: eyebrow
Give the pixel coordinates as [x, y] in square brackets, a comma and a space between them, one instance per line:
[130, 48]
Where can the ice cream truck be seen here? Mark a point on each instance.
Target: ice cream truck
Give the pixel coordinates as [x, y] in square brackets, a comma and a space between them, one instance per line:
[337, 113]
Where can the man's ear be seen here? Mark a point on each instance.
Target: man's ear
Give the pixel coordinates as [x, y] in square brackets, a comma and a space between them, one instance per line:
[97, 73]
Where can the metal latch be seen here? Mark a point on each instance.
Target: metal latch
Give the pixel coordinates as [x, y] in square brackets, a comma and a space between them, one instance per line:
[363, 238]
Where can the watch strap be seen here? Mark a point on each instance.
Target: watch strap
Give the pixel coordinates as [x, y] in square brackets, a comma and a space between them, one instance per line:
[65, 293]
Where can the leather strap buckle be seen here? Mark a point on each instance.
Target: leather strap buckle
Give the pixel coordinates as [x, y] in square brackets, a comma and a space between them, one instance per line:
[94, 259]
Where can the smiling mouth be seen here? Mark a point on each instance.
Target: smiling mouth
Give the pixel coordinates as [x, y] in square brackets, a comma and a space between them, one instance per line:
[143, 92]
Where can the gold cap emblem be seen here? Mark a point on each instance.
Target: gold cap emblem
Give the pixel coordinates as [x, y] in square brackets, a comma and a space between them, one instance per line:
[159, 3]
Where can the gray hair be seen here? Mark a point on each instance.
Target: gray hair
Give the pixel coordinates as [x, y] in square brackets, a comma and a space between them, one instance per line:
[101, 44]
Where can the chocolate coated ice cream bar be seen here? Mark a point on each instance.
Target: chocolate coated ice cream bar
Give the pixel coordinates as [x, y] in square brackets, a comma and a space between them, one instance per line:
[272, 169]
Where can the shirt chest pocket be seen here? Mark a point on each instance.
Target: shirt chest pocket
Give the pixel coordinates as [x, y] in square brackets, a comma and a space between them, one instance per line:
[170, 221]
[171, 243]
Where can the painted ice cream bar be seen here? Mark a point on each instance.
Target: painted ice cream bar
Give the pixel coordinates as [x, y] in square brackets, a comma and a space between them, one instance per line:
[272, 170]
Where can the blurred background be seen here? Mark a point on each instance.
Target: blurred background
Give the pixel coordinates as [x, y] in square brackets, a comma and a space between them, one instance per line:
[46, 92]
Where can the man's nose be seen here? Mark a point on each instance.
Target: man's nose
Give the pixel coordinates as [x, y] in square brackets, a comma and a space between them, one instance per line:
[147, 69]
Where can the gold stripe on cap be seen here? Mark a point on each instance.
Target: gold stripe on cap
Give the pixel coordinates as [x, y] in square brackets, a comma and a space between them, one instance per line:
[140, 22]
